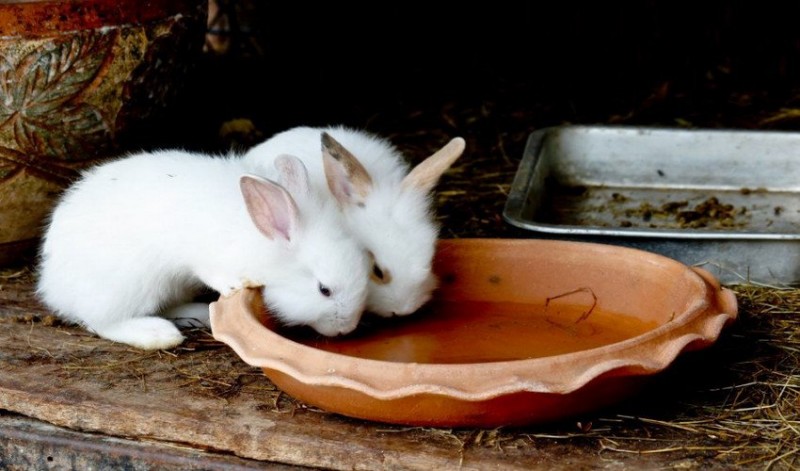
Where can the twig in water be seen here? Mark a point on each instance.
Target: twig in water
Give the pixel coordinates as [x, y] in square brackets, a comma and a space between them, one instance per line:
[586, 314]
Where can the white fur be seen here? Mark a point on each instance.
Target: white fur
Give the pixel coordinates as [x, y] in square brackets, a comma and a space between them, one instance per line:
[138, 235]
[396, 222]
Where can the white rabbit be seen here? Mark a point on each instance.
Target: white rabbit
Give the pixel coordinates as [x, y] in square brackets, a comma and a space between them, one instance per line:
[387, 208]
[138, 235]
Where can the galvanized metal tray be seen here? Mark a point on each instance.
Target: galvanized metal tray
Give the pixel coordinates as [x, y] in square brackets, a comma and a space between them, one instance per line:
[725, 199]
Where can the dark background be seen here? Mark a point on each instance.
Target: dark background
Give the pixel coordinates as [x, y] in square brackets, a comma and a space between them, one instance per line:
[528, 64]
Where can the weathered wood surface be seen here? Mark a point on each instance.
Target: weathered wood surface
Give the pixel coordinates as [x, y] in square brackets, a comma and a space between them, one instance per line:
[201, 395]
[29, 444]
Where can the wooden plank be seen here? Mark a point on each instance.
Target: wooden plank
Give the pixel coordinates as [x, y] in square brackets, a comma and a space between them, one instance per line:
[32, 444]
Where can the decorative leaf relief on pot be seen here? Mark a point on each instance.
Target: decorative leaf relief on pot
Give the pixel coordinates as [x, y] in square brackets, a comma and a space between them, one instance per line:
[13, 162]
[41, 104]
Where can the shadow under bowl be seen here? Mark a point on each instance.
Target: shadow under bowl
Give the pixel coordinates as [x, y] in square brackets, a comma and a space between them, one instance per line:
[518, 332]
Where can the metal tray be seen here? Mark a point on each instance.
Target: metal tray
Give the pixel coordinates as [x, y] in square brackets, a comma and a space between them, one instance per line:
[725, 199]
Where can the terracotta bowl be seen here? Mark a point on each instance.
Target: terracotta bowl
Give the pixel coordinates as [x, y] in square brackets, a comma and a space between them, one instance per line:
[76, 76]
[519, 332]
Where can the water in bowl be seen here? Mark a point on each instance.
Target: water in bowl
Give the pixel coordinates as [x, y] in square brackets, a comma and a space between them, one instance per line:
[455, 332]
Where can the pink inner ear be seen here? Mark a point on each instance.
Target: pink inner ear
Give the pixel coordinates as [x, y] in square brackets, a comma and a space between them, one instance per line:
[338, 181]
[293, 174]
[270, 207]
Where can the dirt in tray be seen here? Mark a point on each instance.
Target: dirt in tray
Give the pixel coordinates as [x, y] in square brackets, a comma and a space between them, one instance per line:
[709, 213]
[603, 207]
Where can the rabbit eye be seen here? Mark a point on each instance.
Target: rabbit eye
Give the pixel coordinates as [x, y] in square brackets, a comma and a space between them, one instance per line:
[324, 290]
[379, 275]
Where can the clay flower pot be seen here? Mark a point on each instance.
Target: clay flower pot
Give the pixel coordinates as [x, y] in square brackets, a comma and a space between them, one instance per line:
[74, 76]
[519, 332]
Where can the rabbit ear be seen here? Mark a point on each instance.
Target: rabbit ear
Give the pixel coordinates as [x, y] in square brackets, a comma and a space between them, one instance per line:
[270, 206]
[293, 174]
[347, 179]
[426, 174]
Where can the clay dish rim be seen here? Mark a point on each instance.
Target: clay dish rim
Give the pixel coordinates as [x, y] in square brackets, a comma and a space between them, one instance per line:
[234, 323]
